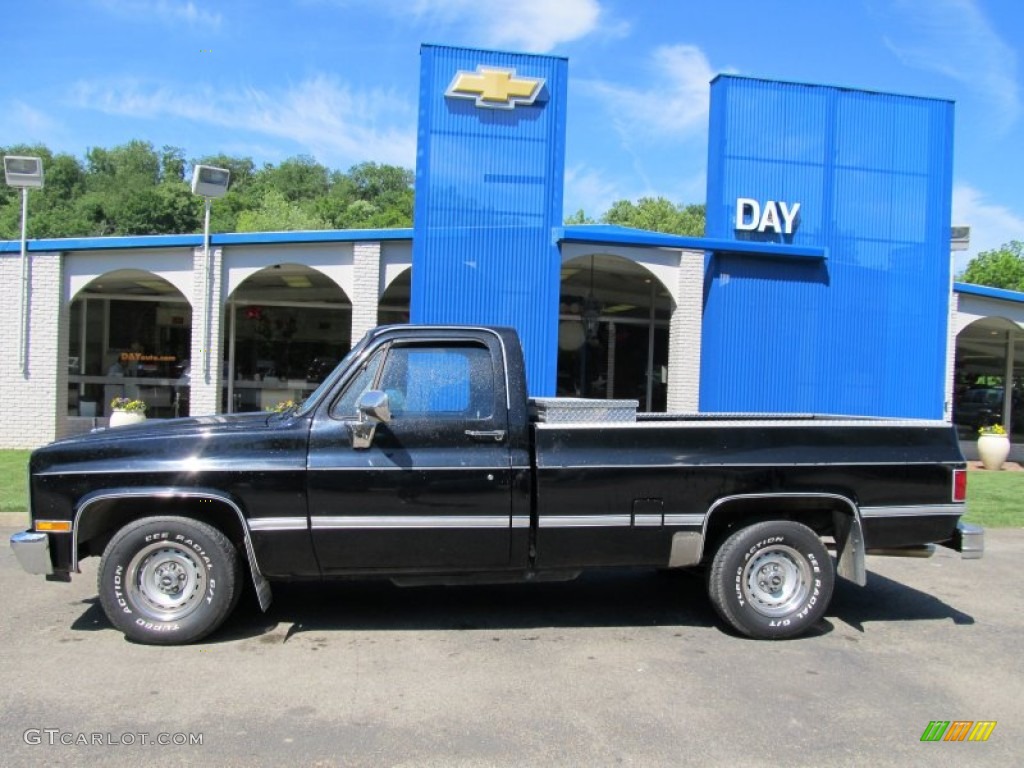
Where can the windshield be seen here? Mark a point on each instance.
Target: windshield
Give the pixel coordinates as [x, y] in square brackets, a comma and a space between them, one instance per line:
[327, 385]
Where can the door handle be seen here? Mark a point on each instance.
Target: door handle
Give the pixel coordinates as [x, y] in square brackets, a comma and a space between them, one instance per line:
[484, 435]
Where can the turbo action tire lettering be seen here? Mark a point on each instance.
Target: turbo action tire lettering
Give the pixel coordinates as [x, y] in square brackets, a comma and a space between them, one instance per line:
[168, 580]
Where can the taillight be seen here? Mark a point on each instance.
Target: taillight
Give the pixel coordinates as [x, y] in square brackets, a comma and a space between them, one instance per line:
[960, 485]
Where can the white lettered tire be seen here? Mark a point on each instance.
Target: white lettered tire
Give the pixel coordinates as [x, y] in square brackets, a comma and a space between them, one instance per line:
[168, 580]
[772, 580]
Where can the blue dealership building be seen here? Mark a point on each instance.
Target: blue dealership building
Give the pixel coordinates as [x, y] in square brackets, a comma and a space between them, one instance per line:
[823, 283]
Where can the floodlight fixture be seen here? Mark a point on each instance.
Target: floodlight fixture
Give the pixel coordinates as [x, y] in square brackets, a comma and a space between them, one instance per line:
[959, 238]
[23, 172]
[209, 181]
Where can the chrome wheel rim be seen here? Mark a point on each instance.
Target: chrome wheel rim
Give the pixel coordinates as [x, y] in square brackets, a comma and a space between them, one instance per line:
[166, 581]
[776, 581]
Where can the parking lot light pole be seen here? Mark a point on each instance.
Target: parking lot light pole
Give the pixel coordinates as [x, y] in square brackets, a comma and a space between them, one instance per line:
[23, 173]
[208, 182]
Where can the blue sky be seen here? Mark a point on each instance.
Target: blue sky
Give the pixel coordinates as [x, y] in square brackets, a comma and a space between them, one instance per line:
[337, 79]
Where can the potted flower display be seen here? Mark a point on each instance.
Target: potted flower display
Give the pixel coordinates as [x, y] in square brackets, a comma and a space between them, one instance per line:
[993, 446]
[124, 410]
[281, 407]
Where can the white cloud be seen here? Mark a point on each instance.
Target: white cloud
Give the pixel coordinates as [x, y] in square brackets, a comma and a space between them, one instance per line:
[955, 39]
[27, 123]
[992, 225]
[166, 11]
[589, 190]
[676, 104]
[535, 26]
[322, 116]
[594, 190]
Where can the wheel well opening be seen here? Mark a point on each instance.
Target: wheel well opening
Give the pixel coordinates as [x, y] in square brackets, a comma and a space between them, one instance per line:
[813, 511]
[101, 520]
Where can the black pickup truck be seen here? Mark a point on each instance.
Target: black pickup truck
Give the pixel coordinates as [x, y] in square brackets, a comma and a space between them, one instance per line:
[421, 459]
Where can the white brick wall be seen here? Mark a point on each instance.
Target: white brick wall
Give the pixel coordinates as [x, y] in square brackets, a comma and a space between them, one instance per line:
[954, 308]
[684, 338]
[366, 296]
[207, 368]
[45, 386]
[33, 404]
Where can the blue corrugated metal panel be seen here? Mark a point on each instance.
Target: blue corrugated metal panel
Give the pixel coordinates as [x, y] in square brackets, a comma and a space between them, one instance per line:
[864, 332]
[488, 193]
[178, 241]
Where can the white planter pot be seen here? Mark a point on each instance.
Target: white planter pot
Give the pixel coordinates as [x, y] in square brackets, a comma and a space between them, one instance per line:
[123, 418]
[993, 450]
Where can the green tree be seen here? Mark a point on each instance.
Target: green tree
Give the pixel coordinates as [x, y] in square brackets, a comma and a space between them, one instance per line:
[277, 214]
[134, 189]
[999, 268]
[369, 196]
[172, 164]
[657, 214]
[297, 178]
[127, 167]
[578, 218]
[164, 210]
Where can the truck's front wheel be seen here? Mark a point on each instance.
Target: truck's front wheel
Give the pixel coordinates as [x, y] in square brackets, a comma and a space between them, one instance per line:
[168, 580]
[771, 580]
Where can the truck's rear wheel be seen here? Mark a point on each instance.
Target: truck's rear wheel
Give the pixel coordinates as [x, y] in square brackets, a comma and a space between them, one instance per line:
[168, 580]
[771, 580]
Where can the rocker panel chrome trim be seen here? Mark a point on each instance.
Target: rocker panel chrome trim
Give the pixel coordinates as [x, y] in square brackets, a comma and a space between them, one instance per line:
[278, 524]
[678, 519]
[916, 510]
[357, 522]
[585, 521]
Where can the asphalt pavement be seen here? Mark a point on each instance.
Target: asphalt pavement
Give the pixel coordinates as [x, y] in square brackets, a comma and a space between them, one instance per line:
[627, 668]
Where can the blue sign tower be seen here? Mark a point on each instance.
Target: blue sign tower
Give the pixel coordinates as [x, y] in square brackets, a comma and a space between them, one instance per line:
[490, 168]
[865, 177]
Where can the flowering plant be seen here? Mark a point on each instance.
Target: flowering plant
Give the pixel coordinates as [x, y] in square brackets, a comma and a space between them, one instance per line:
[127, 404]
[992, 429]
[281, 407]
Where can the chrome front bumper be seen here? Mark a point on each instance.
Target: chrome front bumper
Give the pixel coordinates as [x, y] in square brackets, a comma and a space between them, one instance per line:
[33, 552]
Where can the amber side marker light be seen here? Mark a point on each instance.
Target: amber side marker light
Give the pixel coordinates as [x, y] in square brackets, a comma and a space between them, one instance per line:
[53, 526]
[959, 485]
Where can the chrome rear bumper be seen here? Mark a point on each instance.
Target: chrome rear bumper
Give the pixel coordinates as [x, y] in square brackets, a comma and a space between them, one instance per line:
[33, 552]
[969, 540]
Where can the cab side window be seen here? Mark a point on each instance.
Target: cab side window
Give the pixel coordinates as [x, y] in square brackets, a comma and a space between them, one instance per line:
[450, 382]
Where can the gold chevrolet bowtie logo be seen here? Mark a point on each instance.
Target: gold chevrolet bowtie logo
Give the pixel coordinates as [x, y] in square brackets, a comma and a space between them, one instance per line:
[495, 88]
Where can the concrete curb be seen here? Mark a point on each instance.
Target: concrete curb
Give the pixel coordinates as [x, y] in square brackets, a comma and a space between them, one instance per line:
[14, 519]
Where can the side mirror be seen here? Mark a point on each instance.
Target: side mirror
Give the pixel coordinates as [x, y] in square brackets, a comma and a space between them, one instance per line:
[374, 406]
[373, 409]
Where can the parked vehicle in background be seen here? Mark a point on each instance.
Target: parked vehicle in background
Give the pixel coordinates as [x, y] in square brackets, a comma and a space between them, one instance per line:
[979, 407]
